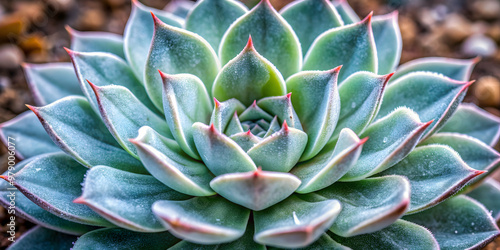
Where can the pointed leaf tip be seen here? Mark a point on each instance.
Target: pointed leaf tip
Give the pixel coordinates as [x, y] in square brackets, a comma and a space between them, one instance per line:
[3, 177]
[217, 104]
[368, 19]
[285, 126]
[249, 45]
[79, 200]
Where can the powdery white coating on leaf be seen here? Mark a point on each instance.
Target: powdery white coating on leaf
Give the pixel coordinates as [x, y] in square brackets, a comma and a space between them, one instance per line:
[274, 38]
[96, 42]
[43, 238]
[388, 42]
[458, 69]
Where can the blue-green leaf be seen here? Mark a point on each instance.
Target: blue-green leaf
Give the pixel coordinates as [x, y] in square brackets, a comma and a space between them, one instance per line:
[330, 164]
[280, 151]
[219, 153]
[118, 238]
[488, 194]
[317, 102]
[457, 69]
[368, 205]
[272, 35]
[475, 153]
[176, 51]
[473, 121]
[28, 210]
[360, 98]
[211, 18]
[179, 8]
[166, 161]
[96, 42]
[124, 198]
[124, 114]
[351, 46]
[255, 190]
[390, 140]
[26, 136]
[139, 33]
[36, 182]
[280, 106]
[248, 77]
[400, 235]
[295, 222]
[458, 223]
[40, 238]
[346, 12]
[185, 101]
[51, 81]
[103, 69]
[435, 172]
[432, 96]
[73, 126]
[204, 220]
[310, 18]
[388, 42]
[224, 113]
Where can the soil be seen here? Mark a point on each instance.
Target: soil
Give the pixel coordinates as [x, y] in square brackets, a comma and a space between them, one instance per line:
[33, 31]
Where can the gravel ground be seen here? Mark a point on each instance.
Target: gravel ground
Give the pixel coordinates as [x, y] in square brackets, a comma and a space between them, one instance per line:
[33, 31]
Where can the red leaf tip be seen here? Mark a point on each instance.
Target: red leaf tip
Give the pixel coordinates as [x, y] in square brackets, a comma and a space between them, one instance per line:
[368, 19]
[3, 177]
[335, 70]
[94, 87]
[476, 59]
[289, 95]
[254, 104]
[479, 172]
[212, 128]
[217, 103]
[285, 126]
[249, 45]
[362, 141]
[258, 171]
[248, 132]
[427, 124]
[79, 200]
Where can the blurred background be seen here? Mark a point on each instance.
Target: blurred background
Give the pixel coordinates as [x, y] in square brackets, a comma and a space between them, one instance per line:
[34, 31]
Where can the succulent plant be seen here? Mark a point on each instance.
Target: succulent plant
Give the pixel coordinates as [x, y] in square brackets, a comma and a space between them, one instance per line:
[217, 127]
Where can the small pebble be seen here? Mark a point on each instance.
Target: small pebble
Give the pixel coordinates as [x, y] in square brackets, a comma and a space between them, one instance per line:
[479, 45]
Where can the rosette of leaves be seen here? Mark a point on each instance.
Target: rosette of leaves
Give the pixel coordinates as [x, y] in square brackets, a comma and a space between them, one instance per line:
[230, 128]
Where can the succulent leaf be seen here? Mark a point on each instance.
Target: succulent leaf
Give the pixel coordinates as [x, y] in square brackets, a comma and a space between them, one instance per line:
[28, 210]
[224, 114]
[488, 194]
[180, 8]
[473, 121]
[103, 69]
[274, 127]
[431, 96]
[166, 161]
[234, 126]
[310, 18]
[72, 124]
[96, 42]
[360, 98]
[245, 140]
[219, 153]
[248, 77]
[51, 81]
[401, 234]
[388, 42]
[351, 46]
[472, 151]
[124, 198]
[295, 222]
[44, 239]
[185, 101]
[345, 11]
[435, 172]
[245, 242]
[139, 32]
[256, 190]
[323, 242]
[174, 51]
[123, 114]
[317, 101]
[282, 107]
[457, 69]
[391, 139]
[280, 151]
[474, 227]
[204, 220]
[116, 238]
[329, 165]
[368, 205]
[56, 197]
[211, 19]
[29, 135]
[274, 38]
